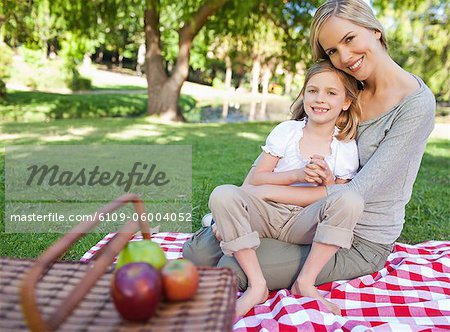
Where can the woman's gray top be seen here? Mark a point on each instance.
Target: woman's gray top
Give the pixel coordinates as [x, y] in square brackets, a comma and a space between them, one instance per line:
[390, 151]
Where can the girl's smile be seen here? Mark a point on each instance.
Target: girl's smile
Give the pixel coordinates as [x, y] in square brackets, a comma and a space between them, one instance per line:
[324, 98]
[319, 109]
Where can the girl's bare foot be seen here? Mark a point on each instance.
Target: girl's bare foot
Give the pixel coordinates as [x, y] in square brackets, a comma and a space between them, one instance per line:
[311, 291]
[255, 294]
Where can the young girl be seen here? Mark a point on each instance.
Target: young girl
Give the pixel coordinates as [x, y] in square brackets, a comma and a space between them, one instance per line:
[319, 139]
[323, 128]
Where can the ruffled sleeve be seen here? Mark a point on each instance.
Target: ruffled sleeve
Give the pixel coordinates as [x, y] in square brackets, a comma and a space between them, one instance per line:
[278, 139]
[347, 160]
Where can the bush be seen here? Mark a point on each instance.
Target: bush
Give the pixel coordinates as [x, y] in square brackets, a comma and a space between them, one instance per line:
[31, 82]
[2, 89]
[76, 82]
[33, 57]
[5, 60]
[30, 68]
[33, 70]
[218, 83]
[5, 66]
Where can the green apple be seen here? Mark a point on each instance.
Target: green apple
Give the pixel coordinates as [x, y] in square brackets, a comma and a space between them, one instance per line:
[142, 251]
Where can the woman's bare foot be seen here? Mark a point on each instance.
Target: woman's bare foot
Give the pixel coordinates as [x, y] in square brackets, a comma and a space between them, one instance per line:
[311, 291]
[255, 294]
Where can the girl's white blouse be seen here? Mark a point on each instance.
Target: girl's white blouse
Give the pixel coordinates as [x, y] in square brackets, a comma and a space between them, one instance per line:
[283, 142]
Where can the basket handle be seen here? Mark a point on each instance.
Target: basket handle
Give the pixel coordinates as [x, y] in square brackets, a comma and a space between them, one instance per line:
[31, 311]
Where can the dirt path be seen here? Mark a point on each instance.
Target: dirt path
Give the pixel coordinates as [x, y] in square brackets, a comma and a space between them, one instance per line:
[197, 91]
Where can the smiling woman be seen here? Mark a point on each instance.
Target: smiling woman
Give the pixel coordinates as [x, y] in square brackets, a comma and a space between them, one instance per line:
[397, 118]
[356, 12]
[354, 50]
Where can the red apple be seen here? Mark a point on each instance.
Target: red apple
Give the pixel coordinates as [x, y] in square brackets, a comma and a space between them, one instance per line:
[180, 279]
[136, 290]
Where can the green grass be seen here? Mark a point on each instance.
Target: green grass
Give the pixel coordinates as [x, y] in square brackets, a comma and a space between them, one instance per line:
[118, 87]
[41, 106]
[222, 153]
[30, 106]
[428, 212]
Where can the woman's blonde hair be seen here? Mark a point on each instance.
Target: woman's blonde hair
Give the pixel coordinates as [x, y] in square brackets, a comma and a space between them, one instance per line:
[355, 11]
[347, 121]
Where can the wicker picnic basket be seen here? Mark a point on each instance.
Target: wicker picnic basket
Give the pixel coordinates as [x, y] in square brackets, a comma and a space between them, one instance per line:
[47, 295]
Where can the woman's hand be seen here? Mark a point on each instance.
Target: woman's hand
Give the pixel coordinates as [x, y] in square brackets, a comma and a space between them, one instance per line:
[300, 175]
[318, 171]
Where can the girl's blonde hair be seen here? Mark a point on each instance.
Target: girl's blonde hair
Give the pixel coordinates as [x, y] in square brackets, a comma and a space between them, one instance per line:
[355, 11]
[347, 121]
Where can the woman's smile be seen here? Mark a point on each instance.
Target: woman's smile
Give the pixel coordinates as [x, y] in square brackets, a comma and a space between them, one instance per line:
[356, 65]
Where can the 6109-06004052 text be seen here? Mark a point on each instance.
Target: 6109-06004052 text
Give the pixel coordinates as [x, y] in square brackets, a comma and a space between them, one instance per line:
[149, 216]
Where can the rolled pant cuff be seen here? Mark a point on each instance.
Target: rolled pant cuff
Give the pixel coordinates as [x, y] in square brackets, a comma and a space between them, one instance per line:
[337, 236]
[248, 241]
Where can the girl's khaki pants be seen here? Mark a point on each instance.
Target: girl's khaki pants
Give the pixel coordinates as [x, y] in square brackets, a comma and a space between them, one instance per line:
[282, 235]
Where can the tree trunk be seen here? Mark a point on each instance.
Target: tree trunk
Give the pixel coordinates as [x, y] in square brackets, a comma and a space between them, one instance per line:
[120, 58]
[99, 58]
[252, 114]
[288, 83]
[228, 76]
[226, 105]
[228, 73]
[165, 101]
[267, 74]
[164, 91]
[256, 70]
[156, 76]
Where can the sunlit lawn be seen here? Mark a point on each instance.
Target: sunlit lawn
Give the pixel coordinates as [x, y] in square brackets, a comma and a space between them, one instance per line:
[222, 153]
[32, 106]
[118, 87]
[41, 106]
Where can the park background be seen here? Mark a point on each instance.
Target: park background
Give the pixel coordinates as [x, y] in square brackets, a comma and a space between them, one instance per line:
[222, 74]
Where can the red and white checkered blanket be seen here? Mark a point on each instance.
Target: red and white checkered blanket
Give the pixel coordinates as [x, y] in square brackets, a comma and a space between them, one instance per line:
[411, 293]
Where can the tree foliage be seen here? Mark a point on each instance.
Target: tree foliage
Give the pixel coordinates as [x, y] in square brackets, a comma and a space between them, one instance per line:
[418, 40]
[234, 33]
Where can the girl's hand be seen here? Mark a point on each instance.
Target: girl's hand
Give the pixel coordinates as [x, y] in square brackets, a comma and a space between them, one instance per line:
[311, 171]
[311, 176]
[319, 171]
